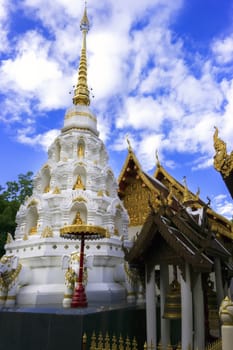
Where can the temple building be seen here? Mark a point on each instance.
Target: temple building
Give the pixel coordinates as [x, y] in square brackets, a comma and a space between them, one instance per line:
[148, 238]
[182, 248]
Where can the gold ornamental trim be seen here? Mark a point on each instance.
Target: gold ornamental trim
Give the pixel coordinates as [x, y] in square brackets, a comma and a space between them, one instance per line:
[33, 202]
[67, 296]
[80, 114]
[89, 230]
[171, 315]
[79, 199]
[10, 297]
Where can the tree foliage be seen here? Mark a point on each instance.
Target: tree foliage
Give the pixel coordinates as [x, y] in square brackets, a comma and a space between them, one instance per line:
[11, 197]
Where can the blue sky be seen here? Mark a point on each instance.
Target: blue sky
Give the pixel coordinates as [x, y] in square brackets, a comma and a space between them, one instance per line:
[161, 71]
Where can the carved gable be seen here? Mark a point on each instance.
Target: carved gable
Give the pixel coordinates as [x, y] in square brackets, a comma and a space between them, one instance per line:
[135, 200]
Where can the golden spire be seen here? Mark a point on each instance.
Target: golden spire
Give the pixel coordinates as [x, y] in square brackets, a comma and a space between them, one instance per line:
[129, 144]
[81, 92]
[157, 158]
[186, 194]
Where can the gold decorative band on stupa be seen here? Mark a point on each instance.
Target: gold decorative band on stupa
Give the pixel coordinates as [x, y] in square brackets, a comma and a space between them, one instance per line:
[90, 231]
[81, 92]
[72, 114]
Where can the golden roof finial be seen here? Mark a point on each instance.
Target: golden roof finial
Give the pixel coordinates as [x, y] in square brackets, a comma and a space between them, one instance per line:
[81, 92]
[197, 194]
[129, 144]
[157, 158]
[186, 194]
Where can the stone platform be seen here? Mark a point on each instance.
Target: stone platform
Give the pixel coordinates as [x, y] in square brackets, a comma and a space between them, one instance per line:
[55, 328]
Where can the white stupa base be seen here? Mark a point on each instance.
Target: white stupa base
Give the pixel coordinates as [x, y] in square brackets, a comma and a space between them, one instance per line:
[45, 284]
[105, 293]
[53, 294]
[43, 294]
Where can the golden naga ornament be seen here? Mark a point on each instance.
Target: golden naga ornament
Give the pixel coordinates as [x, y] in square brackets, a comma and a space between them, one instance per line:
[222, 161]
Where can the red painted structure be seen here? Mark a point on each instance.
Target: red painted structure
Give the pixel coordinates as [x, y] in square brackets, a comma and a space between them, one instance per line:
[79, 298]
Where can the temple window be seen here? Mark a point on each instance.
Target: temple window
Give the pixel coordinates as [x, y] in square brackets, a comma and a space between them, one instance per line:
[45, 180]
[77, 220]
[79, 178]
[32, 221]
[118, 217]
[78, 214]
[79, 184]
[109, 185]
[57, 152]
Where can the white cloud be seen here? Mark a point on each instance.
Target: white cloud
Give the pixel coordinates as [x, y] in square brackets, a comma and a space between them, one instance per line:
[199, 94]
[32, 66]
[43, 140]
[146, 149]
[202, 162]
[106, 63]
[34, 77]
[141, 113]
[4, 14]
[140, 77]
[222, 205]
[223, 50]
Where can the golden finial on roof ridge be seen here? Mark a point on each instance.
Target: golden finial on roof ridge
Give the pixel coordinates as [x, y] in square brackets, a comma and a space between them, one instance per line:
[197, 195]
[129, 144]
[157, 158]
[186, 194]
[81, 92]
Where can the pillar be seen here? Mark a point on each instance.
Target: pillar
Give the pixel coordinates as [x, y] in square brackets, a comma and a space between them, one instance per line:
[150, 308]
[164, 285]
[218, 279]
[199, 314]
[187, 310]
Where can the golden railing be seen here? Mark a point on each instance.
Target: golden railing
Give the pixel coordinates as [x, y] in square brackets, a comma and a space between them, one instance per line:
[217, 345]
[169, 347]
[106, 342]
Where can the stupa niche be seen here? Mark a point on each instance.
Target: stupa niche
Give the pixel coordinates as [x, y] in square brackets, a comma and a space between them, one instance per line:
[76, 181]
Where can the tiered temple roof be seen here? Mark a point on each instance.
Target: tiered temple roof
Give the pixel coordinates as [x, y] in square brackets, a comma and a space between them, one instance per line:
[171, 220]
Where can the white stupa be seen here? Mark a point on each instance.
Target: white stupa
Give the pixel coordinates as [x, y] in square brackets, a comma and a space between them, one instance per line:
[75, 186]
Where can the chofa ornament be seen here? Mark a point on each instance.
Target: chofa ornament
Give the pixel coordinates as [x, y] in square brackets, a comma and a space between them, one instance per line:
[223, 162]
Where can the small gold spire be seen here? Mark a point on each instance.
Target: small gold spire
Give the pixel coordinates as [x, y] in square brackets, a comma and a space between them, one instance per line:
[129, 144]
[186, 194]
[81, 92]
[157, 158]
[197, 194]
